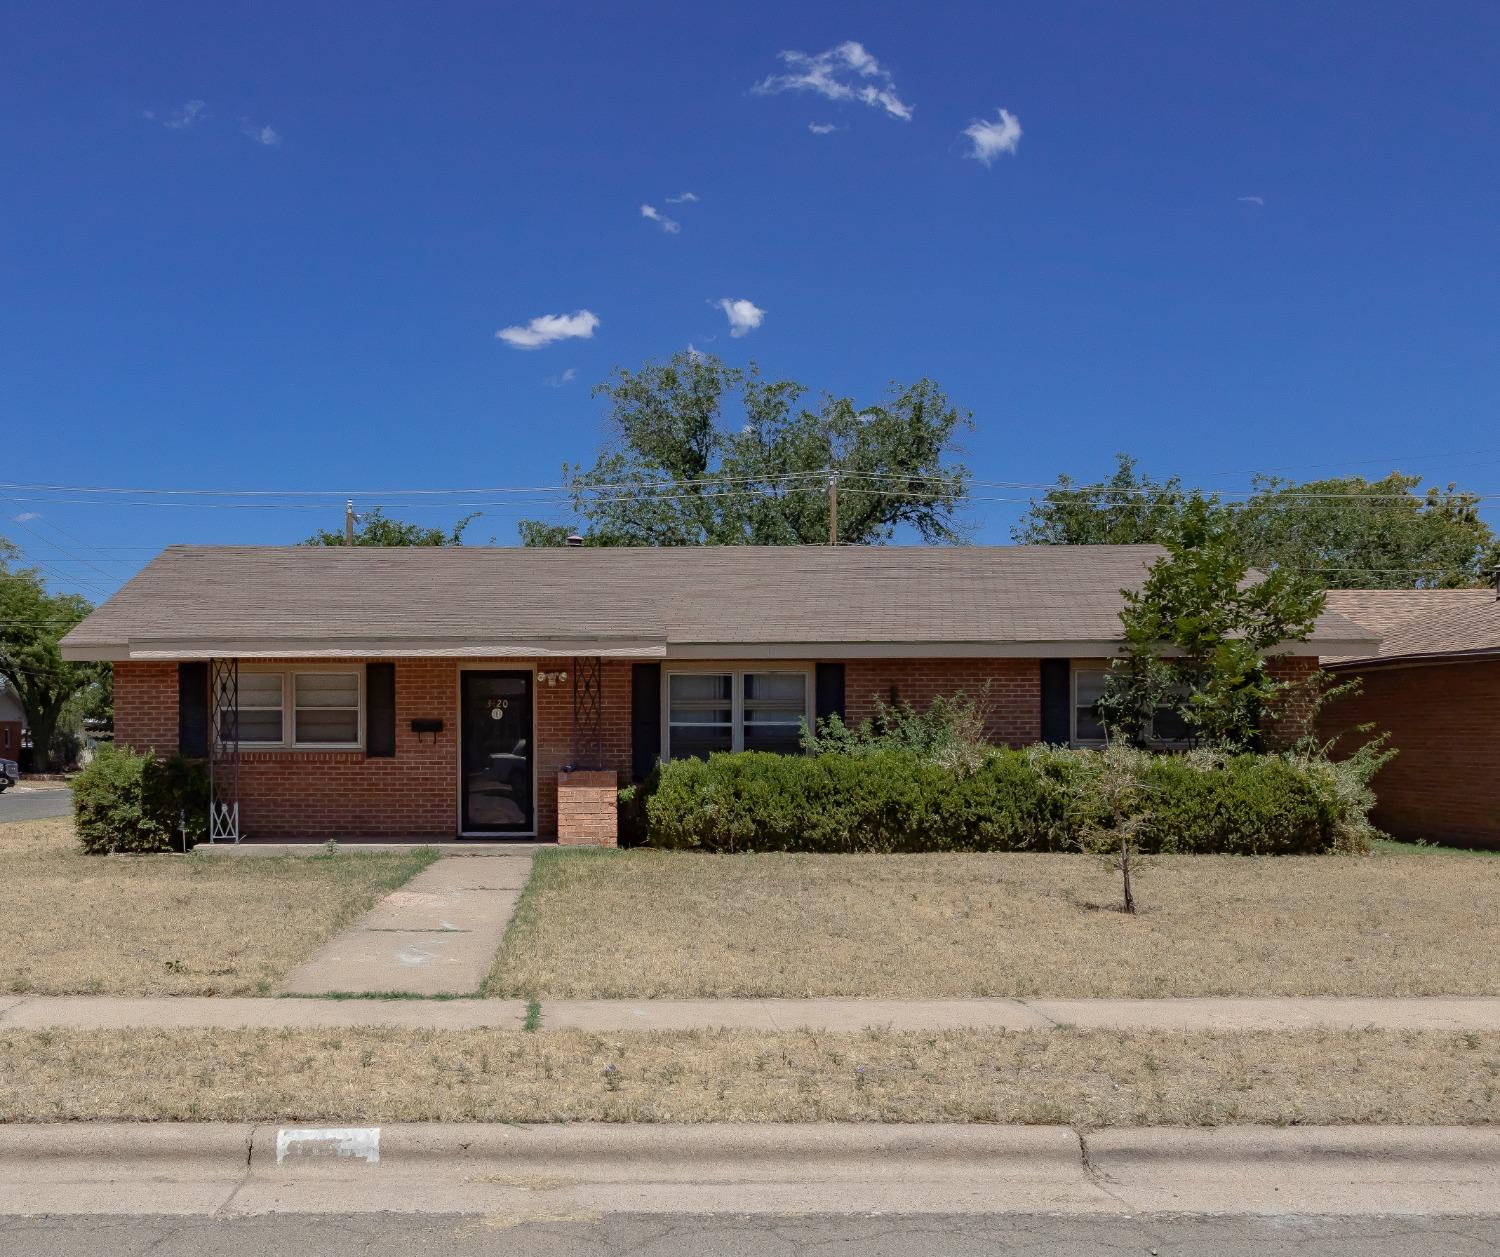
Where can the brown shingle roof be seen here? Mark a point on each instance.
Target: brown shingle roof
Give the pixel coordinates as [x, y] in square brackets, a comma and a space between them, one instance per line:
[361, 600]
[1413, 623]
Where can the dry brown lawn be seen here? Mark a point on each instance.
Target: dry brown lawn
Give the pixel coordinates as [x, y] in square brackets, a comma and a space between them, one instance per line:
[170, 924]
[646, 923]
[1084, 1078]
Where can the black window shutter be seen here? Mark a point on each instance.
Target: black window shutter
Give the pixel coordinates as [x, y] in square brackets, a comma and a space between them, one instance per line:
[645, 719]
[829, 684]
[1057, 701]
[192, 710]
[380, 710]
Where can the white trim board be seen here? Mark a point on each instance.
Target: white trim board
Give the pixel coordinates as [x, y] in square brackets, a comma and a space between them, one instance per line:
[164, 650]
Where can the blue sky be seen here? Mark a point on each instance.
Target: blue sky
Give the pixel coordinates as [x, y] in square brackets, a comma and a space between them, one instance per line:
[1226, 238]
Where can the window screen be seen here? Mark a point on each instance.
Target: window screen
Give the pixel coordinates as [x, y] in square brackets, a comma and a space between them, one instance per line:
[700, 713]
[327, 708]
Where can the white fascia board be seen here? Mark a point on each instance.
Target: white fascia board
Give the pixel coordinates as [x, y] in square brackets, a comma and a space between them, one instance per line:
[952, 650]
[162, 649]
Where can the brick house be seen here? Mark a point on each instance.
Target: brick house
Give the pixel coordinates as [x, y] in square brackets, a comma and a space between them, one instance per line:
[494, 693]
[12, 722]
[1433, 684]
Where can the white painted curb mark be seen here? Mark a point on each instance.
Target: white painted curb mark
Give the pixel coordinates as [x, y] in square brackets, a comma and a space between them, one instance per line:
[358, 1143]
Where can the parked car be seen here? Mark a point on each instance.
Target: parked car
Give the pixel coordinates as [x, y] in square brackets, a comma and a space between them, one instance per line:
[10, 773]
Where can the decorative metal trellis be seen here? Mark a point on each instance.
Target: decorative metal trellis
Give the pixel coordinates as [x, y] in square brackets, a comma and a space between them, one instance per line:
[224, 750]
[588, 712]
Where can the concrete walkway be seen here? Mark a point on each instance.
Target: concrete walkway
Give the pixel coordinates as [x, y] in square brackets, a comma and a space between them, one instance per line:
[437, 935]
[171, 1012]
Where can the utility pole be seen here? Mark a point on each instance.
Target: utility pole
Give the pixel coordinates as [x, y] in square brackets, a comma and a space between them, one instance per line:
[833, 508]
[349, 522]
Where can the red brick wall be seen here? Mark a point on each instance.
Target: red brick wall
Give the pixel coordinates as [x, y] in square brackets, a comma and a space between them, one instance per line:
[1444, 721]
[1015, 690]
[345, 794]
[10, 739]
[1292, 721]
[146, 706]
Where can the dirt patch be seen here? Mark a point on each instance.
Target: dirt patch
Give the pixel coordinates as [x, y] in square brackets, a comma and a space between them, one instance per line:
[1088, 1078]
[171, 924]
[645, 923]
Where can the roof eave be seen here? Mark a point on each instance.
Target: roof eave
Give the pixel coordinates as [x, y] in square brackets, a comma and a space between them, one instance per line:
[188, 649]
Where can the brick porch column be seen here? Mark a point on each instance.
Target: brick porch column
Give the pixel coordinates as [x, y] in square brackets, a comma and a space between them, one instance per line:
[588, 808]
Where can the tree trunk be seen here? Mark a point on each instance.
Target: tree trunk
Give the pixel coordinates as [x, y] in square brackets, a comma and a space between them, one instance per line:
[1125, 870]
[43, 726]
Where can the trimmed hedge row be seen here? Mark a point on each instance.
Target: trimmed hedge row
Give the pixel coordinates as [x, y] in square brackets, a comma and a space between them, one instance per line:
[1032, 800]
[133, 803]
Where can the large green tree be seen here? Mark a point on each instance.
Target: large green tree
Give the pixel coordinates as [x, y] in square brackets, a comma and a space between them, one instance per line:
[702, 453]
[1343, 532]
[1127, 509]
[32, 622]
[1353, 533]
[375, 528]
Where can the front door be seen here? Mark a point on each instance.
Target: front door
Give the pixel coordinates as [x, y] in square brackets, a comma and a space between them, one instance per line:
[498, 746]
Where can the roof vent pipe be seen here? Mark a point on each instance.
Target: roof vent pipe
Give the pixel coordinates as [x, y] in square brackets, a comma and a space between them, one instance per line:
[575, 540]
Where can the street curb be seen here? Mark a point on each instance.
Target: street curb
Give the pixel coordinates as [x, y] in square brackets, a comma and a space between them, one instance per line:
[241, 1144]
[589, 1169]
[647, 1145]
[1285, 1146]
[213, 1143]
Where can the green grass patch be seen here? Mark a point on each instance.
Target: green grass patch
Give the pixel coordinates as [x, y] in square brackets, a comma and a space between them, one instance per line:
[1391, 846]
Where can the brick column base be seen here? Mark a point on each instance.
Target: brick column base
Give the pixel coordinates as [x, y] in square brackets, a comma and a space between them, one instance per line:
[588, 809]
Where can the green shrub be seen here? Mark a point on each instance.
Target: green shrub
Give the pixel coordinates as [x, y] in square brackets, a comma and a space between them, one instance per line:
[632, 811]
[951, 731]
[1041, 799]
[132, 803]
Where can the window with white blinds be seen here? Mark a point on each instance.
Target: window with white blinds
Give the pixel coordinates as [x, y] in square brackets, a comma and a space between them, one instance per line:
[708, 711]
[299, 708]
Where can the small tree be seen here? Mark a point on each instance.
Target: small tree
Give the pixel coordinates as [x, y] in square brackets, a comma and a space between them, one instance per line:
[1199, 635]
[1119, 808]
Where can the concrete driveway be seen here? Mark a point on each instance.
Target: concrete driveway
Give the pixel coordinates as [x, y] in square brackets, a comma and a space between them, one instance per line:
[35, 803]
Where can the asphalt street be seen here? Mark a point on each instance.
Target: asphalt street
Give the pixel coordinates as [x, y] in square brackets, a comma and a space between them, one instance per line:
[20, 804]
[967, 1235]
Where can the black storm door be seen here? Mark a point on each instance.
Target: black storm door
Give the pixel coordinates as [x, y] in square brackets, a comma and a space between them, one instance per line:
[496, 794]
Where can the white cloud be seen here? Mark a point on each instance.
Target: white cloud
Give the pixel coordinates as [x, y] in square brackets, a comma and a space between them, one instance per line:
[1251, 200]
[990, 139]
[744, 316]
[687, 198]
[191, 113]
[845, 72]
[824, 128]
[547, 328]
[557, 381]
[669, 225]
[260, 134]
[25, 517]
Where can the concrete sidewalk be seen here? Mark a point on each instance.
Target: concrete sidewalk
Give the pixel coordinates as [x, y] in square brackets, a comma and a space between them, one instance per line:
[177, 1012]
[586, 1168]
[436, 935]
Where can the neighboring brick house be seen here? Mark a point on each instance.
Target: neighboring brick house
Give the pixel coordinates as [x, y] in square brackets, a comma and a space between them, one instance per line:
[485, 692]
[12, 721]
[1433, 684]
